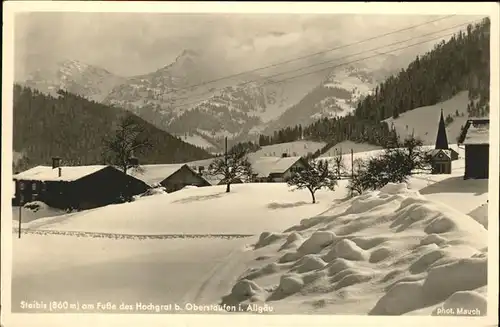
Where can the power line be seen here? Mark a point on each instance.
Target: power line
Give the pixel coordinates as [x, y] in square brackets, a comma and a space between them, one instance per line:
[331, 60]
[354, 61]
[332, 67]
[311, 55]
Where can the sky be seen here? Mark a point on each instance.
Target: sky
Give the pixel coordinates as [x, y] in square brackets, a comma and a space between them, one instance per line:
[130, 44]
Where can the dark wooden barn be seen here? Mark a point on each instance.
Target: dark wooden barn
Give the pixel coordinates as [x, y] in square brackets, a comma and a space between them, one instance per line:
[172, 177]
[76, 187]
[475, 139]
[442, 155]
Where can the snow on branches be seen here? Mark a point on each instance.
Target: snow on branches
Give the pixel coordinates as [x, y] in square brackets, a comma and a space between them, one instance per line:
[315, 176]
[234, 165]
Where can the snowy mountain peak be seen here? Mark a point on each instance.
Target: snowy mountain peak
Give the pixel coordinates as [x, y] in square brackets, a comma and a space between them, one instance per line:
[73, 76]
[189, 53]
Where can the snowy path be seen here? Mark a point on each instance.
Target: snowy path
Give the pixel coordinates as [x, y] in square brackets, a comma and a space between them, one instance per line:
[92, 270]
[220, 280]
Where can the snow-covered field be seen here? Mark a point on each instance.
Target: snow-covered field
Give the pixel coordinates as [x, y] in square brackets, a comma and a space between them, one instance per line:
[90, 270]
[294, 149]
[247, 209]
[424, 120]
[175, 268]
[346, 146]
[197, 140]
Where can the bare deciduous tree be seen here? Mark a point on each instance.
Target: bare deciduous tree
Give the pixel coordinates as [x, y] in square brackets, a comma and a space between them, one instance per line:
[338, 162]
[128, 140]
[234, 165]
[394, 165]
[315, 176]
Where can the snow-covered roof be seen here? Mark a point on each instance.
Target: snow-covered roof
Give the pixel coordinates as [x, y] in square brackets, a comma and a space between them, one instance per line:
[68, 173]
[271, 165]
[154, 174]
[262, 166]
[215, 180]
[435, 152]
[477, 134]
[203, 162]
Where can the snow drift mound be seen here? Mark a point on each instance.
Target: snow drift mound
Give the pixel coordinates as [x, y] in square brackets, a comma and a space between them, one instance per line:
[36, 206]
[387, 252]
[152, 191]
[35, 210]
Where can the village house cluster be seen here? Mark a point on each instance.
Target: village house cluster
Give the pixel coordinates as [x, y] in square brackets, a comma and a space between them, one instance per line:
[85, 187]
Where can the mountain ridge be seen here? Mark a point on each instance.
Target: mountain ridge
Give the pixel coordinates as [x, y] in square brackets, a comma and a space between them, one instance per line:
[75, 129]
[194, 98]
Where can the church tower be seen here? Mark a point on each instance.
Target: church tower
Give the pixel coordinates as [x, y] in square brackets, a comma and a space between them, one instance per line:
[441, 139]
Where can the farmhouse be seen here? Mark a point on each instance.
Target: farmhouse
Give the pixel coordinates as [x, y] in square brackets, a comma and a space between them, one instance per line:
[475, 138]
[264, 169]
[276, 169]
[442, 155]
[172, 177]
[75, 187]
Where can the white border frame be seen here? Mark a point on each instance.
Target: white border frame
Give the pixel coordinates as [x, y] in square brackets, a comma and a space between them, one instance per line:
[436, 8]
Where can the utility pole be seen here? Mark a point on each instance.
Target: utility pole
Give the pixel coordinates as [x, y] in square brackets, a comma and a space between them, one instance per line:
[228, 182]
[352, 168]
[20, 208]
[225, 150]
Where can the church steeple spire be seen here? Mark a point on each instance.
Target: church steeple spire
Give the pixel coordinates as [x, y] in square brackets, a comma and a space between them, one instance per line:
[441, 139]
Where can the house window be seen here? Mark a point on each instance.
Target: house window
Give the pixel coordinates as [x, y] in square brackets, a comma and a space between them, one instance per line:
[33, 186]
[21, 186]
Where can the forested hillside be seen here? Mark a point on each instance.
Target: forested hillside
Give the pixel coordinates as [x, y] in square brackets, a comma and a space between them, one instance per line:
[75, 128]
[461, 64]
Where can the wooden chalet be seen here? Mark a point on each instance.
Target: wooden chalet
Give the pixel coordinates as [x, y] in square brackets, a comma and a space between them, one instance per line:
[475, 139]
[276, 169]
[172, 177]
[75, 187]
